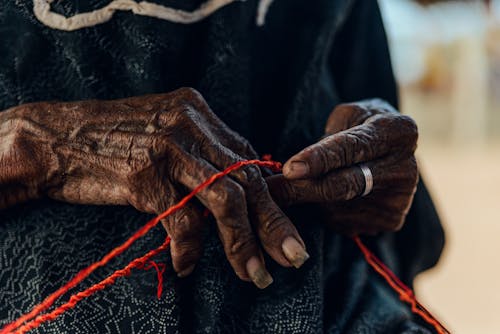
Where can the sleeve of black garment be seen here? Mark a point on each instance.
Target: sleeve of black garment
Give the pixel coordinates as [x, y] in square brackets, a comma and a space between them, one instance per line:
[361, 67]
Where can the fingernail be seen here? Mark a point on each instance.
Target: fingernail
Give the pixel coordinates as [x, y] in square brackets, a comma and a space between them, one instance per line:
[297, 169]
[186, 272]
[258, 273]
[294, 252]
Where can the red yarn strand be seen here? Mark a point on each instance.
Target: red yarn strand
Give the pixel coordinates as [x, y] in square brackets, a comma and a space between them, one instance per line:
[80, 276]
[404, 292]
[76, 298]
[33, 319]
[160, 270]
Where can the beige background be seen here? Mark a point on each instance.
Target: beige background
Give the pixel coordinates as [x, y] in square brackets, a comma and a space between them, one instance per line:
[447, 60]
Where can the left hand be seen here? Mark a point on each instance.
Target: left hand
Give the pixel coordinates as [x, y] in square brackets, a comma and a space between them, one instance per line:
[327, 173]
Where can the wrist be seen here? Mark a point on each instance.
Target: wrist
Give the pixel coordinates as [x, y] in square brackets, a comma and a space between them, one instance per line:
[22, 166]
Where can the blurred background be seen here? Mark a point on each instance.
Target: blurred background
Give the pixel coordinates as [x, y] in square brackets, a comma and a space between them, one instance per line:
[446, 56]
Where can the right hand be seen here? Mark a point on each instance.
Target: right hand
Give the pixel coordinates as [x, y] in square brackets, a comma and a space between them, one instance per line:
[149, 152]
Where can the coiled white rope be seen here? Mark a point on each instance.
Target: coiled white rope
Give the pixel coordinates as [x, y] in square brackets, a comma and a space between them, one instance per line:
[43, 13]
[262, 11]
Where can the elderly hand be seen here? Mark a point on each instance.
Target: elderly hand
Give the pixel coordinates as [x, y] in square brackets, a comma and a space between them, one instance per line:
[149, 152]
[328, 173]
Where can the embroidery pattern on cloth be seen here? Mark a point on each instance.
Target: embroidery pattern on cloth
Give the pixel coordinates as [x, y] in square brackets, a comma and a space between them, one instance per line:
[44, 14]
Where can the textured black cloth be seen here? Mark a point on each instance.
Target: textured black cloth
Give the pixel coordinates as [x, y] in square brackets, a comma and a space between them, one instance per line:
[276, 85]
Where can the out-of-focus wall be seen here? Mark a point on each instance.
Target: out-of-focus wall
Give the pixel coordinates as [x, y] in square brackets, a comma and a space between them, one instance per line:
[447, 61]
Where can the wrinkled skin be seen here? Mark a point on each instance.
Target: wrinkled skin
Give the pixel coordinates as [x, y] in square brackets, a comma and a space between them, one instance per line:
[326, 173]
[148, 152]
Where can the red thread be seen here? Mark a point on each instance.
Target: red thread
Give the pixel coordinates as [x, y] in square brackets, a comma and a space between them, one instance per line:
[76, 298]
[160, 269]
[405, 293]
[80, 276]
[33, 319]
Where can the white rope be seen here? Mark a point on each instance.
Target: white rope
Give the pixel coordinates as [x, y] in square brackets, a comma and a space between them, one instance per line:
[43, 13]
[262, 11]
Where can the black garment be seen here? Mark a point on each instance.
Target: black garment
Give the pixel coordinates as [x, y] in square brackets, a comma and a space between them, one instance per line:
[275, 85]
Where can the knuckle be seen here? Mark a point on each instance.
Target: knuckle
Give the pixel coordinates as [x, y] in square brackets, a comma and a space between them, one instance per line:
[190, 92]
[158, 144]
[273, 223]
[184, 231]
[191, 96]
[411, 125]
[167, 118]
[186, 250]
[251, 176]
[227, 198]
[28, 109]
[239, 247]
[178, 227]
[408, 129]
[19, 124]
[406, 121]
[190, 225]
[177, 116]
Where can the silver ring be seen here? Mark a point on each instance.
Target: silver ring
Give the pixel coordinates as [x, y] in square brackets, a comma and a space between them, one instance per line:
[367, 173]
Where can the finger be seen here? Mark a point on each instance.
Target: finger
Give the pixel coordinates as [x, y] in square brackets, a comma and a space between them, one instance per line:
[226, 200]
[380, 136]
[277, 234]
[185, 228]
[150, 190]
[342, 185]
[347, 183]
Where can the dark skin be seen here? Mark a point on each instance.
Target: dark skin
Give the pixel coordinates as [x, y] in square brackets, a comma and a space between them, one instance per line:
[326, 173]
[150, 151]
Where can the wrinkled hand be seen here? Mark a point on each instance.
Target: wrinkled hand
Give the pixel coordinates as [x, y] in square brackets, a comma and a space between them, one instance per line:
[149, 152]
[369, 132]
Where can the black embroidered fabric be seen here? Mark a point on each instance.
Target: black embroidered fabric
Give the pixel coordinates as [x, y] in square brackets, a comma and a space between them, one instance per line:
[275, 85]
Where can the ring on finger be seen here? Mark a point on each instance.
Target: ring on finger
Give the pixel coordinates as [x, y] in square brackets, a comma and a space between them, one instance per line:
[367, 173]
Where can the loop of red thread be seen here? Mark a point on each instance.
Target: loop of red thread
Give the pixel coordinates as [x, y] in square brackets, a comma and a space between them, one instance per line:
[404, 292]
[22, 324]
[160, 269]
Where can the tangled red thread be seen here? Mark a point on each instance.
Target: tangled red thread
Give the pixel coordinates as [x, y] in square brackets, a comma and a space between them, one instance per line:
[35, 318]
